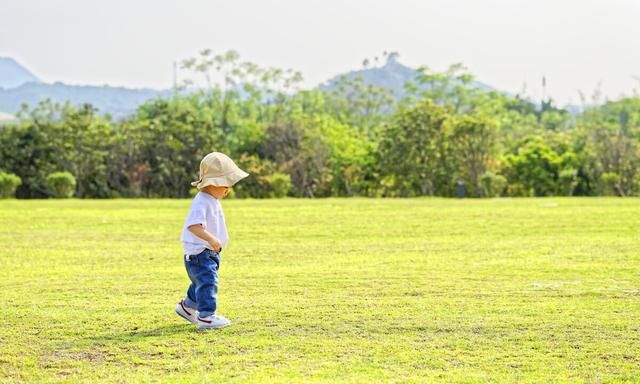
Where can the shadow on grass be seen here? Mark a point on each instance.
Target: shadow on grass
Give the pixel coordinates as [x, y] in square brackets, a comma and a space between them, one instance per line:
[136, 335]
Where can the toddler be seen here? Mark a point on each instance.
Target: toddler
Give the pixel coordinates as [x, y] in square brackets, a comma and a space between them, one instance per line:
[204, 235]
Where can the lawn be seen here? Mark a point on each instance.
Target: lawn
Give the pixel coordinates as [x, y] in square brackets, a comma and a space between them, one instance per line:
[336, 290]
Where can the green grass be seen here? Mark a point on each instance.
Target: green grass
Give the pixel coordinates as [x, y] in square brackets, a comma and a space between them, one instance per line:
[357, 290]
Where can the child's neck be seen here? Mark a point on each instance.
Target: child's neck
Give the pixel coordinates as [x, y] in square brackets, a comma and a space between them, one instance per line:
[208, 193]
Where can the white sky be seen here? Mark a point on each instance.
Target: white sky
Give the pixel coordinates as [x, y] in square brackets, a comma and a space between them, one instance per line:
[576, 44]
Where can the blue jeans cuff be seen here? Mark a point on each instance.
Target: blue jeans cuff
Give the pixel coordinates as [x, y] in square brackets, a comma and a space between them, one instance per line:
[190, 303]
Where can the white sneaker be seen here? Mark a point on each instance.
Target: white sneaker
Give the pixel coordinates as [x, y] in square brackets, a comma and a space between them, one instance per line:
[188, 313]
[213, 321]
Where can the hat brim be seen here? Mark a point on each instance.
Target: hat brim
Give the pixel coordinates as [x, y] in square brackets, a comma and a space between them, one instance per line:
[221, 181]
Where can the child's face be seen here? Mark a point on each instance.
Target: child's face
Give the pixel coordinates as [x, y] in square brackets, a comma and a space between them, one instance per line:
[217, 192]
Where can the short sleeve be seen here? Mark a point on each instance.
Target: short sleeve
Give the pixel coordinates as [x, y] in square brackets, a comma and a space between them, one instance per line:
[197, 215]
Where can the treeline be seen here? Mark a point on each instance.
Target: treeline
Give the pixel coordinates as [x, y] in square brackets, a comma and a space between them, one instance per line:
[445, 136]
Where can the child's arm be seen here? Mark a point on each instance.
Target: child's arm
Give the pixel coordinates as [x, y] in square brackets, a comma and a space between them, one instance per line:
[205, 235]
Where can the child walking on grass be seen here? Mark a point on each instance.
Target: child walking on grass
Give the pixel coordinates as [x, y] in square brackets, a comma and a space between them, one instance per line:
[204, 235]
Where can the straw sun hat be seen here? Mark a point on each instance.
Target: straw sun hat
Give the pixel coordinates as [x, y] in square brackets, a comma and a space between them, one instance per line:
[219, 170]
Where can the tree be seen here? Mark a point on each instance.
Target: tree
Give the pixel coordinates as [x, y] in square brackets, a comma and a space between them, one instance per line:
[415, 151]
[359, 104]
[474, 141]
[453, 87]
[613, 130]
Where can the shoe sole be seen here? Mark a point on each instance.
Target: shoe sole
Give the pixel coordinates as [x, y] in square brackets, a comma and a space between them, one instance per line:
[201, 326]
[184, 316]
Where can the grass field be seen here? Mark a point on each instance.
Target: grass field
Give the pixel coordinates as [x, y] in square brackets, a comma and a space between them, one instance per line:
[358, 290]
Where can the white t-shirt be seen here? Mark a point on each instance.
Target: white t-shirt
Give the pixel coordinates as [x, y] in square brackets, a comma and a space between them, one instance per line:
[205, 210]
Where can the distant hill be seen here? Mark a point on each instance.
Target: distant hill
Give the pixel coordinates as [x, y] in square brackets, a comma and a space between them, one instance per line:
[13, 74]
[116, 101]
[18, 86]
[392, 75]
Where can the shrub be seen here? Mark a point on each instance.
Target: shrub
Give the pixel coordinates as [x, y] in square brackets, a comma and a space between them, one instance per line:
[568, 180]
[519, 190]
[8, 184]
[279, 184]
[492, 185]
[61, 184]
[265, 180]
[610, 184]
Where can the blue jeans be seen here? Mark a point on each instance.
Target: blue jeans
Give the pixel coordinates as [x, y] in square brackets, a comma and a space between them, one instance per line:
[203, 272]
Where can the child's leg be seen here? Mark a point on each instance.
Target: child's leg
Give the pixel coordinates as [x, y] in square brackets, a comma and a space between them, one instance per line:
[190, 300]
[206, 276]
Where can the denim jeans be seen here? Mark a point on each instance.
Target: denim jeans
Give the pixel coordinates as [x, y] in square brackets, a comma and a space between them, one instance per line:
[203, 272]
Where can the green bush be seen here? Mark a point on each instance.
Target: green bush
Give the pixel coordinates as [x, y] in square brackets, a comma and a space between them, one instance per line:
[568, 179]
[8, 184]
[610, 184]
[519, 190]
[636, 186]
[61, 184]
[492, 185]
[279, 184]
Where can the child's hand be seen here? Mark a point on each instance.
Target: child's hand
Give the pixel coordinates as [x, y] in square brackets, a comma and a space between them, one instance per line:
[215, 244]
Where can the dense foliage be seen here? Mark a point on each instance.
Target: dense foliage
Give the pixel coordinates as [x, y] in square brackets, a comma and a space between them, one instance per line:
[444, 137]
[8, 184]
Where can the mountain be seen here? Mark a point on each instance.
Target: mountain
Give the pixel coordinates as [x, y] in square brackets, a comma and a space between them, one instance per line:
[392, 75]
[13, 74]
[116, 101]
[18, 86]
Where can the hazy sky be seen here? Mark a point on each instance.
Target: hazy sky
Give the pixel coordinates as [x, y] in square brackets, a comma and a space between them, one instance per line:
[575, 43]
